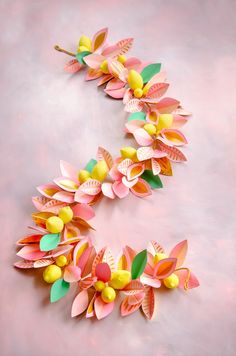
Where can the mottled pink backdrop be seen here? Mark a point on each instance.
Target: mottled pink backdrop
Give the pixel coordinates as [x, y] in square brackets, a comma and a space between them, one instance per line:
[48, 115]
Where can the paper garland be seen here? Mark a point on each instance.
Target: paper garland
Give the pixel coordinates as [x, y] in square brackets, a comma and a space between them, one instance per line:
[57, 243]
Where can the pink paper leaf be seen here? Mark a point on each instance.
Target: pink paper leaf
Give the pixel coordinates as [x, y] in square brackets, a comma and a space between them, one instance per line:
[99, 39]
[192, 281]
[39, 202]
[127, 309]
[31, 253]
[167, 105]
[73, 66]
[86, 261]
[69, 171]
[107, 190]
[66, 184]
[174, 154]
[102, 309]
[80, 303]
[179, 252]
[157, 90]
[116, 94]
[164, 268]
[120, 189]
[150, 281]
[134, 105]
[66, 197]
[103, 154]
[72, 274]
[174, 137]
[103, 272]
[141, 188]
[98, 259]
[142, 137]
[148, 304]
[156, 168]
[23, 264]
[124, 165]
[84, 211]
[135, 171]
[94, 60]
[91, 187]
[144, 153]
[43, 263]
[134, 287]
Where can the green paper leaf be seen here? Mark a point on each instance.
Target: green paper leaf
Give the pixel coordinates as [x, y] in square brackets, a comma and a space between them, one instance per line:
[58, 290]
[154, 181]
[80, 56]
[138, 265]
[149, 71]
[137, 116]
[90, 165]
[49, 242]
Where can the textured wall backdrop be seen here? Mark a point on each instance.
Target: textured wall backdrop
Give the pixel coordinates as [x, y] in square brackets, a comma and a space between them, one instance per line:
[48, 115]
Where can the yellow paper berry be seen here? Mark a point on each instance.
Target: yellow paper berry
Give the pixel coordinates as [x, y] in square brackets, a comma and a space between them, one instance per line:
[121, 59]
[104, 67]
[159, 256]
[135, 80]
[138, 93]
[54, 224]
[99, 286]
[83, 175]
[128, 152]
[100, 171]
[120, 279]
[150, 128]
[86, 42]
[61, 261]
[108, 294]
[52, 273]
[165, 121]
[172, 281]
[82, 49]
[66, 214]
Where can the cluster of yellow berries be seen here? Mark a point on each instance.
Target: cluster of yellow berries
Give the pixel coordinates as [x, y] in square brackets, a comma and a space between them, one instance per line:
[53, 272]
[173, 280]
[99, 172]
[119, 280]
[55, 224]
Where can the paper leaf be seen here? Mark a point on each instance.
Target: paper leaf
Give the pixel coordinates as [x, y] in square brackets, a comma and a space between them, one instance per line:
[107, 190]
[43, 263]
[94, 61]
[120, 190]
[87, 282]
[49, 242]
[135, 170]
[103, 272]
[153, 180]
[135, 299]
[89, 166]
[179, 252]
[150, 281]
[84, 211]
[72, 66]
[142, 137]
[29, 240]
[138, 265]
[148, 304]
[53, 206]
[127, 308]
[164, 268]
[186, 280]
[165, 166]
[66, 184]
[86, 261]
[58, 290]
[72, 274]
[174, 137]
[141, 188]
[116, 94]
[31, 252]
[102, 309]
[69, 171]
[119, 48]
[156, 168]
[103, 154]
[39, 202]
[137, 116]
[149, 71]
[91, 187]
[134, 105]
[174, 154]
[167, 105]
[144, 153]
[157, 90]
[90, 311]
[80, 303]
[80, 56]
[99, 39]
[79, 249]
[98, 259]
[66, 197]
[23, 264]
[109, 259]
[134, 287]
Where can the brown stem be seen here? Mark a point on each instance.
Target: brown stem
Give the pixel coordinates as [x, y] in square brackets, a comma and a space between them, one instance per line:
[59, 49]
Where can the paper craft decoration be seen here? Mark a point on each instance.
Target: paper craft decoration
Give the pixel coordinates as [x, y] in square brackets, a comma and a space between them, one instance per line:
[57, 243]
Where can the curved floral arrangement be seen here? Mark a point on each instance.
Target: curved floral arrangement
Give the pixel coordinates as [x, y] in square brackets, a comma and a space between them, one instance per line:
[58, 242]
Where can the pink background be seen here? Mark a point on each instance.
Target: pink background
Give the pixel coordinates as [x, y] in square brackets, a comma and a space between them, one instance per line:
[48, 115]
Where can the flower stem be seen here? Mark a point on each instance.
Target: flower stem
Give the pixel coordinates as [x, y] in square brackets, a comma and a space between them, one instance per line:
[59, 49]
